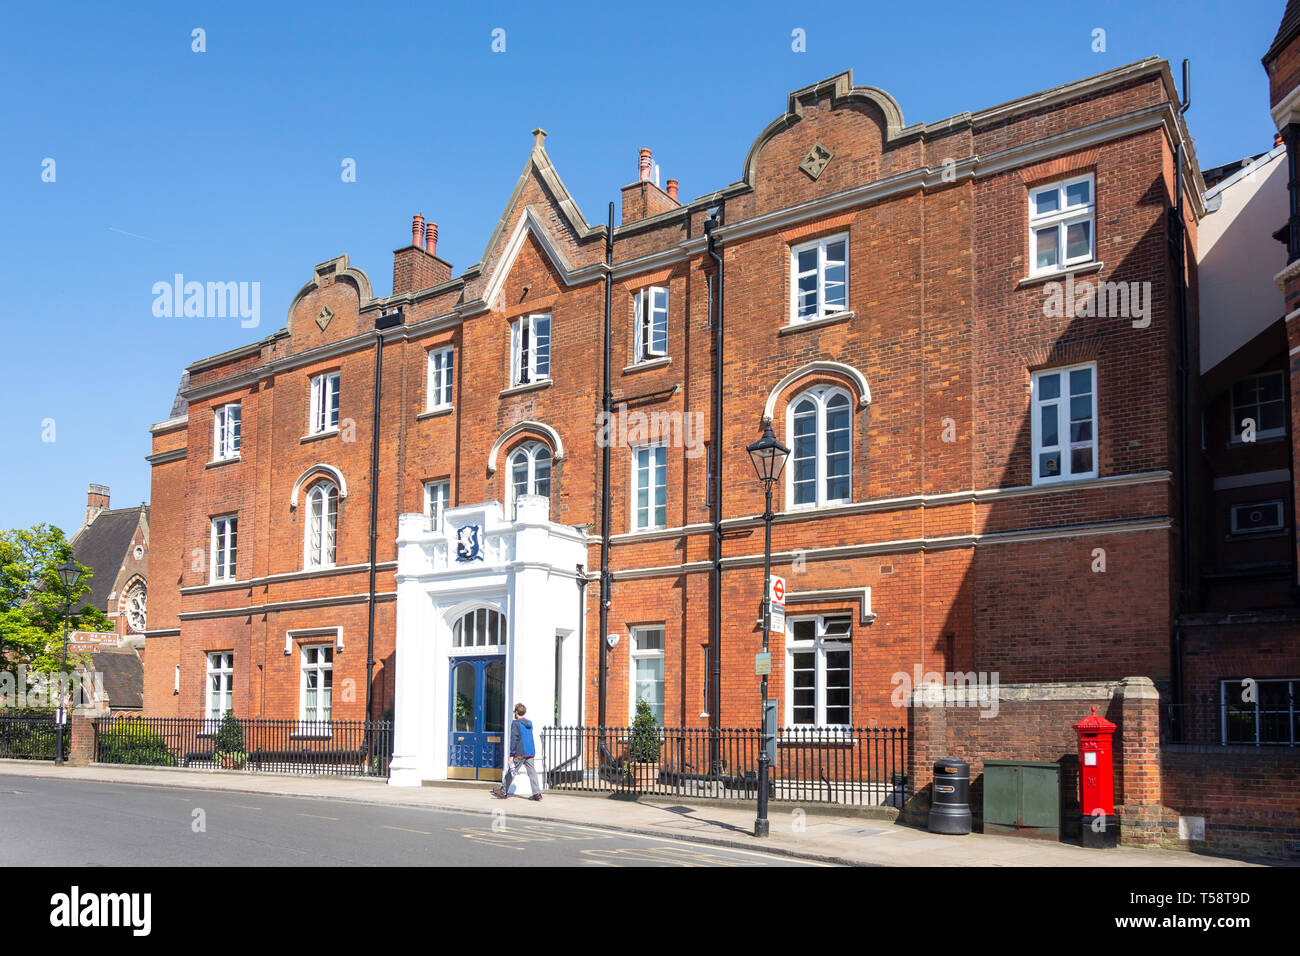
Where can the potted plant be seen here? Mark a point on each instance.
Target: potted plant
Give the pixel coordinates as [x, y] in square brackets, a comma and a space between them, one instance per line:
[643, 746]
[228, 746]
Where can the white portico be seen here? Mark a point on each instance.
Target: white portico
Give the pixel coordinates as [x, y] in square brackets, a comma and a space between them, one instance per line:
[488, 615]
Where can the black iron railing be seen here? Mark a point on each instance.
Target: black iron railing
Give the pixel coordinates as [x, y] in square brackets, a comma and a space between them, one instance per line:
[862, 766]
[348, 747]
[29, 737]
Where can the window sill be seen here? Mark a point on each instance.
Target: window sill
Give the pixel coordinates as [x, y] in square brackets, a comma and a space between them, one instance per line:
[1059, 274]
[800, 509]
[530, 387]
[221, 461]
[835, 318]
[661, 362]
[435, 412]
[316, 436]
[1066, 480]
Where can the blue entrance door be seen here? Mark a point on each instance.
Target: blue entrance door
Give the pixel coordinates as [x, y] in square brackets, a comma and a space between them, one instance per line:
[478, 718]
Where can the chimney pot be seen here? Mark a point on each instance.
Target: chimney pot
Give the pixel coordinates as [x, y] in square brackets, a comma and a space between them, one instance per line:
[672, 190]
[417, 230]
[645, 165]
[431, 238]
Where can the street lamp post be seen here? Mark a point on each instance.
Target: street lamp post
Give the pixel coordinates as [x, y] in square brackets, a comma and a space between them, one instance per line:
[68, 574]
[769, 457]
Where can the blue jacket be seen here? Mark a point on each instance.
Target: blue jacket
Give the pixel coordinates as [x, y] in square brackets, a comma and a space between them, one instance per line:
[521, 738]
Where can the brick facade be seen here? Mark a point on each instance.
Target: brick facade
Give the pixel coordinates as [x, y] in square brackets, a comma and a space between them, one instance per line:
[970, 565]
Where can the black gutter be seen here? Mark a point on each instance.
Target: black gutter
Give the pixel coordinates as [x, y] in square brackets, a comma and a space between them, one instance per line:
[607, 400]
[387, 321]
[713, 218]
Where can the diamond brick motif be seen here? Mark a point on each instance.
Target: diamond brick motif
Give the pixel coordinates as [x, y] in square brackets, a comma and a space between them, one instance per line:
[323, 320]
[816, 160]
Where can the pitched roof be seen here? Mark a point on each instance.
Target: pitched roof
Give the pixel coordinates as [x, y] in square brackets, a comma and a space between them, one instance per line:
[123, 676]
[1287, 31]
[179, 405]
[102, 546]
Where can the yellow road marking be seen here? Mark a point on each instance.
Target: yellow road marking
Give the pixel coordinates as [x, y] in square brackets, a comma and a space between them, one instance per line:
[408, 830]
[318, 816]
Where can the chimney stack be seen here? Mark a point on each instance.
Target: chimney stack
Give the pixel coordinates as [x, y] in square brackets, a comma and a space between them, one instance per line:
[96, 501]
[672, 190]
[645, 165]
[417, 230]
[431, 238]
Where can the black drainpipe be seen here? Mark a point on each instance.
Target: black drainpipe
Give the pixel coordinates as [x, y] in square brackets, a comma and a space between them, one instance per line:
[582, 641]
[607, 404]
[1178, 241]
[713, 218]
[387, 321]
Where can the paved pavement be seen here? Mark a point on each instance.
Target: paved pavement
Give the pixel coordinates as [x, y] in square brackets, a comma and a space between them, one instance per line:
[814, 836]
[140, 826]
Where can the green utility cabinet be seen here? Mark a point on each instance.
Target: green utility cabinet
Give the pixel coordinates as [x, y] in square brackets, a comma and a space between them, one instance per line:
[1022, 797]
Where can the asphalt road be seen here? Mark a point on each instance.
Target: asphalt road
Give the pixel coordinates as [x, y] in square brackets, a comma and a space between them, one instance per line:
[96, 824]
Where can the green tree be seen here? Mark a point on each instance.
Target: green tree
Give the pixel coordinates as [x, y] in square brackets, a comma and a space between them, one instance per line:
[32, 599]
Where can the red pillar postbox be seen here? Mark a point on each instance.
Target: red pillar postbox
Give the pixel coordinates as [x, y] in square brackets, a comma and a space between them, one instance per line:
[1099, 827]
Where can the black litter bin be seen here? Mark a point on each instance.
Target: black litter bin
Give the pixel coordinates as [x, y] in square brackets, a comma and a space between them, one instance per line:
[950, 803]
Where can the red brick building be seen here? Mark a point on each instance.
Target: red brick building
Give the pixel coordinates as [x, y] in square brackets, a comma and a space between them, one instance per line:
[986, 473]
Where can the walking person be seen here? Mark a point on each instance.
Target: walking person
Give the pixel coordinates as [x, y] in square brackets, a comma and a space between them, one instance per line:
[522, 751]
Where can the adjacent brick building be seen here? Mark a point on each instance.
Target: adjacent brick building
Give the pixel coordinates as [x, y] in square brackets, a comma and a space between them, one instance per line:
[986, 474]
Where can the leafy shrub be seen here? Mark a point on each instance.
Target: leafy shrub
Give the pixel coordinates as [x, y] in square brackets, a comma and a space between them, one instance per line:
[230, 735]
[643, 742]
[132, 741]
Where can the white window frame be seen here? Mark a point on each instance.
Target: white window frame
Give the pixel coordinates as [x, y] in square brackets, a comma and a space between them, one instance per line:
[441, 377]
[221, 665]
[323, 556]
[228, 549]
[821, 396]
[819, 646]
[650, 322]
[822, 310]
[323, 416]
[530, 451]
[226, 431]
[1252, 411]
[1064, 445]
[1293, 693]
[306, 666]
[473, 630]
[1232, 516]
[1063, 217]
[524, 366]
[437, 499]
[647, 519]
[637, 654]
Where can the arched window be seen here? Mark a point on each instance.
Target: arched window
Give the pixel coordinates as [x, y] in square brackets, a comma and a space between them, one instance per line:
[135, 607]
[483, 627]
[819, 430]
[322, 525]
[528, 473]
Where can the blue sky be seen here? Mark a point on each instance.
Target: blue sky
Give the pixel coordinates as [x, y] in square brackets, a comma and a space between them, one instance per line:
[225, 165]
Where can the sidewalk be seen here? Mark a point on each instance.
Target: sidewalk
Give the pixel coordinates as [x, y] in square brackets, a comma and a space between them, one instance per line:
[849, 840]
